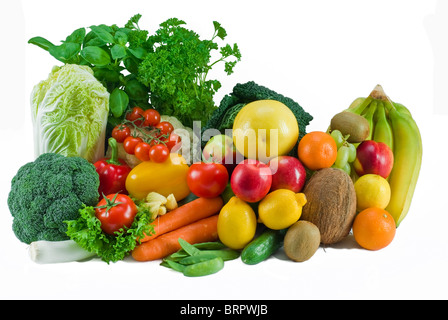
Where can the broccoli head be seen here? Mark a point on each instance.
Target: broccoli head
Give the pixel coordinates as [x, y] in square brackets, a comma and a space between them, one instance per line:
[49, 191]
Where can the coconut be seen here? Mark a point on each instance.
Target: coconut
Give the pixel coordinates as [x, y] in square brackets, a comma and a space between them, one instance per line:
[331, 204]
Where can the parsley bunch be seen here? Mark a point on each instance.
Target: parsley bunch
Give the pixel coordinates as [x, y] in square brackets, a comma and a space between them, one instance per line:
[166, 70]
[177, 70]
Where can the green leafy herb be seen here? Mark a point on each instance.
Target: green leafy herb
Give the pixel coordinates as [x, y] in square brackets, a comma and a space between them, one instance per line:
[167, 70]
[177, 70]
[87, 232]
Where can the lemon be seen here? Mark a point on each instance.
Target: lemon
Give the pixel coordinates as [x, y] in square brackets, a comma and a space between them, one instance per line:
[372, 190]
[281, 208]
[265, 129]
[237, 224]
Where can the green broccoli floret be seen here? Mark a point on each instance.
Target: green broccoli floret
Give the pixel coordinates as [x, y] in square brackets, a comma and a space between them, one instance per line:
[242, 94]
[49, 191]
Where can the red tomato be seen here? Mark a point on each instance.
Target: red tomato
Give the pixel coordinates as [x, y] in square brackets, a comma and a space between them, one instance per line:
[141, 151]
[207, 180]
[152, 118]
[159, 153]
[130, 143]
[136, 115]
[121, 132]
[115, 211]
[174, 142]
[165, 128]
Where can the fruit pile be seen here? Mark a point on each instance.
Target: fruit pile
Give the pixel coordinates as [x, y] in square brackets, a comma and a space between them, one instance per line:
[358, 176]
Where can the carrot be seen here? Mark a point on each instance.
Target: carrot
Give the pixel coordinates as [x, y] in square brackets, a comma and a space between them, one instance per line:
[184, 215]
[203, 230]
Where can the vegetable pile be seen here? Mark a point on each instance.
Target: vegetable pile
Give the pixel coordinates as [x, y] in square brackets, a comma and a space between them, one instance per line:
[114, 179]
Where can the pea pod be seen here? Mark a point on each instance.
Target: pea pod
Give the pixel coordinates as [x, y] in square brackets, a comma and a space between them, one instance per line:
[204, 268]
[225, 255]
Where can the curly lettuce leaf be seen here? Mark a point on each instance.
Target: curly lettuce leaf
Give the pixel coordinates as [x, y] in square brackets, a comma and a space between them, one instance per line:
[87, 233]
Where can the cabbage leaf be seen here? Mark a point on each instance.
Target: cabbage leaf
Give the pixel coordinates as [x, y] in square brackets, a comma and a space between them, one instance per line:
[69, 113]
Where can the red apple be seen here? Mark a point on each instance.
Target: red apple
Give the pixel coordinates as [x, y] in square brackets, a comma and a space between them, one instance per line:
[374, 158]
[251, 180]
[220, 149]
[287, 173]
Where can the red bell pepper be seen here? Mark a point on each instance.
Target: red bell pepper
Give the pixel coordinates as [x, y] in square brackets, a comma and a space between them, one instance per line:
[113, 172]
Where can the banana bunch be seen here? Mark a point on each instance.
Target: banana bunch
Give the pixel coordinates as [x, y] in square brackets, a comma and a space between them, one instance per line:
[392, 123]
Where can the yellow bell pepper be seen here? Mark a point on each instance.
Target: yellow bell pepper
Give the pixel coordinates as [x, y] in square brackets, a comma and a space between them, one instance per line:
[169, 177]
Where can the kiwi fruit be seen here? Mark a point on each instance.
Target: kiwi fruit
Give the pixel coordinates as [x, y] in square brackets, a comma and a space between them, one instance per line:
[301, 241]
[352, 124]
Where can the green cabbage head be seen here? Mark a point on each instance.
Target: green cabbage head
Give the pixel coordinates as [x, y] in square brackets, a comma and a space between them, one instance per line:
[69, 113]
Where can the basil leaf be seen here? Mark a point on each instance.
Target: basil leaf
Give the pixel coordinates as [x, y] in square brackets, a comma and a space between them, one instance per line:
[139, 53]
[121, 37]
[91, 39]
[77, 36]
[95, 55]
[118, 51]
[136, 90]
[41, 43]
[103, 34]
[65, 51]
[104, 74]
[118, 102]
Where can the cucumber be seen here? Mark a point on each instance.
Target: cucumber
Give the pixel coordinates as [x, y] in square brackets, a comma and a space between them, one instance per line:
[262, 247]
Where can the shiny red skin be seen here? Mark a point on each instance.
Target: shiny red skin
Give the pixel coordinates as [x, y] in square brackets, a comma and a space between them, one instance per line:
[121, 214]
[112, 176]
[251, 180]
[287, 173]
[207, 180]
[373, 158]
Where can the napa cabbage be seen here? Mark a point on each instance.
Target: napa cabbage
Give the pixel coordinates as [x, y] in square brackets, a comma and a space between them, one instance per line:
[69, 113]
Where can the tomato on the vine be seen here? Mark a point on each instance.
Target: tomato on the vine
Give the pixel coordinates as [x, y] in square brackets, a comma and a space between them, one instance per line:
[121, 132]
[207, 180]
[136, 115]
[130, 143]
[159, 153]
[141, 151]
[173, 142]
[152, 118]
[165, 128]
[115, 211]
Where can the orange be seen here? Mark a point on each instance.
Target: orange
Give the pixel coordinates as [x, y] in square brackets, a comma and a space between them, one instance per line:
[317, 150]
[374, 228]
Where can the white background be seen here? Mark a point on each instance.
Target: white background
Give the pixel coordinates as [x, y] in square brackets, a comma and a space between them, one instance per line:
[323, 54]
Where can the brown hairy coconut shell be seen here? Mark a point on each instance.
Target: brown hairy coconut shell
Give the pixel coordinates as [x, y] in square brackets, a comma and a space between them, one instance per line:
[331, 204]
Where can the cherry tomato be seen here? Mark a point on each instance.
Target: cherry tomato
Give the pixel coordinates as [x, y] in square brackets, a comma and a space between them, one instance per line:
[159, 153]
[141, 151]
[152, 118]
[136, 115]
[174, 142]
[165, 128]
[130, 143]
[121, 132]
[207, 180]
[115, 211]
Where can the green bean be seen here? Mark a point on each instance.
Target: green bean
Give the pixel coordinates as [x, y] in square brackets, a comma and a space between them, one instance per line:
[204, 268]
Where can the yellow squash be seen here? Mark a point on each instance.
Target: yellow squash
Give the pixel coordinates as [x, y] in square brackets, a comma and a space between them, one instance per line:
[169, 177]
